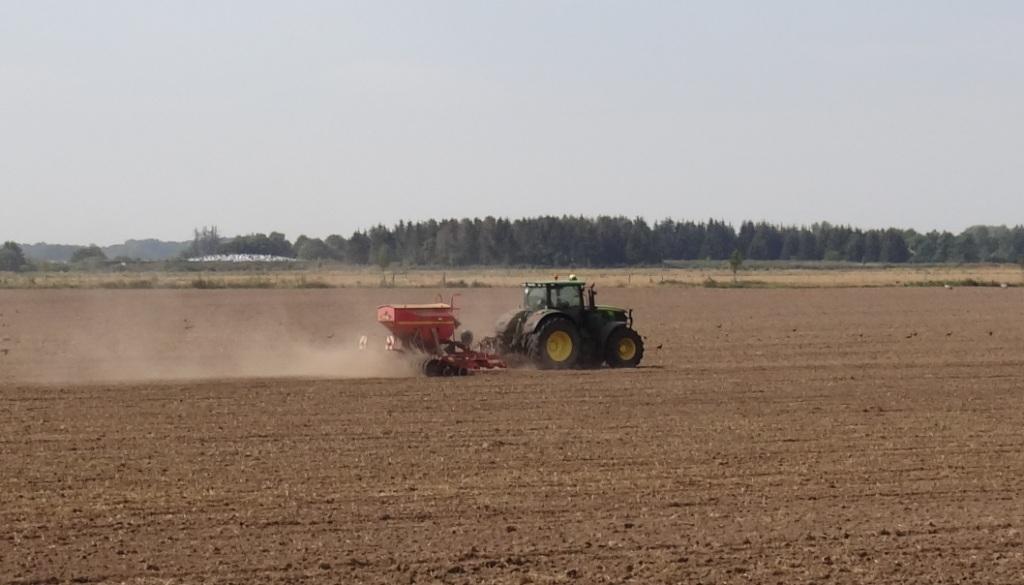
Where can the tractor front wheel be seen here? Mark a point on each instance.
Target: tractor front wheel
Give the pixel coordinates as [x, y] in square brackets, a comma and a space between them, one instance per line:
[555, 345]
[624, 348]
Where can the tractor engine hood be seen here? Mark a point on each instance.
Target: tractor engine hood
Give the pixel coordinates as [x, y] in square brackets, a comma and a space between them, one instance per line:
[616, 314]
[509, 320]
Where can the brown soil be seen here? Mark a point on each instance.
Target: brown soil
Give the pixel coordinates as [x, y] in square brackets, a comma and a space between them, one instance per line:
[778, 436]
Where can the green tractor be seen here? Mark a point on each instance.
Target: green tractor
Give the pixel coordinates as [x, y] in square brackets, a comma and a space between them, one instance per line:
[560, 326]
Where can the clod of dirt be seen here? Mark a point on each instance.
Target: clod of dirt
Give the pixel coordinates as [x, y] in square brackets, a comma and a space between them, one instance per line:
[354, 562]
[324, 566]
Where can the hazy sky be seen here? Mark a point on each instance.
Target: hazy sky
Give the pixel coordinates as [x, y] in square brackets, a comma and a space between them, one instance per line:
[144, 119]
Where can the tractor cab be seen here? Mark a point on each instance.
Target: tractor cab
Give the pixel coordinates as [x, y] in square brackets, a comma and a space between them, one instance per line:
[558, 295]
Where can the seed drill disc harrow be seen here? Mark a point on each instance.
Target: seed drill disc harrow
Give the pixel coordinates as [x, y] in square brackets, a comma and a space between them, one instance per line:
[428, 331]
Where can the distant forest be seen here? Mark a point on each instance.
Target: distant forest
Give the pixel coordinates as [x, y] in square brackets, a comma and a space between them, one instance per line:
[134, 249]
[620, 241]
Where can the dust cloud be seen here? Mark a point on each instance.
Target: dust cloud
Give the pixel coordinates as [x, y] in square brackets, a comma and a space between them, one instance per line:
[55, 337]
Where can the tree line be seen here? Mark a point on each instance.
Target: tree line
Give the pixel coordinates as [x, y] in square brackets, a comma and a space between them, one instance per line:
[600, 241]
[621, 241]
[13, 258]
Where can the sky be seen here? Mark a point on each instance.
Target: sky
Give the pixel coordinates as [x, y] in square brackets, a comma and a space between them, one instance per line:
[146, 119]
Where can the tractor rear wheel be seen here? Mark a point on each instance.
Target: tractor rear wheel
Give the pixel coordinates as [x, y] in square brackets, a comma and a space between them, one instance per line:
[555, 345]
[624, 348]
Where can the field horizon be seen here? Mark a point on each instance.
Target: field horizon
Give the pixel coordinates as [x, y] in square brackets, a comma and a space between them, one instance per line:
[710, 274]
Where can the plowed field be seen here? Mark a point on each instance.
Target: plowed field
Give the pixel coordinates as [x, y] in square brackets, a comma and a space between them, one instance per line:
[777, 436]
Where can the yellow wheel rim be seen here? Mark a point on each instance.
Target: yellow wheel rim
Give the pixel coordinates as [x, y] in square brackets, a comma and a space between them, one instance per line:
[626, 349]
[559, 346]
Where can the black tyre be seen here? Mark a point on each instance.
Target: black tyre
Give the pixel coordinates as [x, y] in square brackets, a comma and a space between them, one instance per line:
[624, 348]
[432, 368]
[556, 345]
